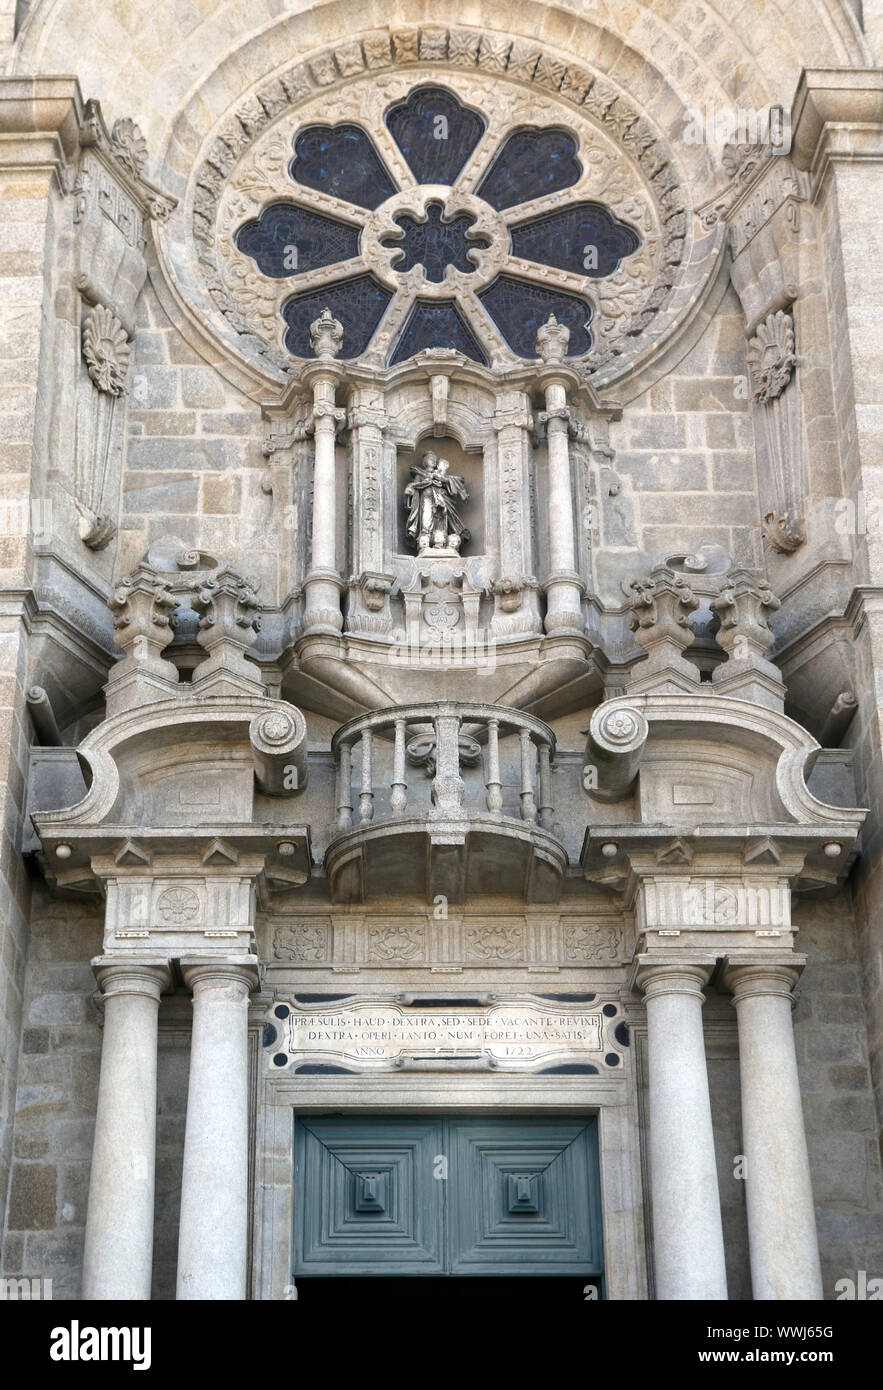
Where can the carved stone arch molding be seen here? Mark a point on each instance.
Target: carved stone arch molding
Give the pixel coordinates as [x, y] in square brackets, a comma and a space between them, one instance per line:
[629, 163]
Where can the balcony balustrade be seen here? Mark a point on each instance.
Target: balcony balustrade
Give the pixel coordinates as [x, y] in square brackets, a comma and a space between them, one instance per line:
[479, 818]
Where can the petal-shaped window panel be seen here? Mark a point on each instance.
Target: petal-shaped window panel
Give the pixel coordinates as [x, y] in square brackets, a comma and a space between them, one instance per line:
[342, 162]
[288, 240]
[434, 243]
[519, 308]
[436, 323]
[530, 164]
[585, 238]
[435, 132]
[359, 304]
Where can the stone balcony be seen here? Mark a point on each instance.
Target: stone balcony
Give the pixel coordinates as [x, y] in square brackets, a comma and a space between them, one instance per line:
[453, 799]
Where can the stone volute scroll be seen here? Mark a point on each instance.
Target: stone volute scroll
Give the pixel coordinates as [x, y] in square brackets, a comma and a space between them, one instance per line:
[614, 745]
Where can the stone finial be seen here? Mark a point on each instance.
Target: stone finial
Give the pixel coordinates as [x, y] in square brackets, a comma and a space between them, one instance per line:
[552, 340]
[326, 336]
[142, 606]
[661, 606]
[742, 628]
[229, 624]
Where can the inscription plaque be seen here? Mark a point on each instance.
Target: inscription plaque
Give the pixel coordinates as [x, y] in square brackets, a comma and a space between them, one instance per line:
[523, 1034]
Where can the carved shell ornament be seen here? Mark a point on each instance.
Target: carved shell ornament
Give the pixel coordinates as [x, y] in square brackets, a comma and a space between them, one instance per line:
[129, 146]
[770, 356]
[107, 351]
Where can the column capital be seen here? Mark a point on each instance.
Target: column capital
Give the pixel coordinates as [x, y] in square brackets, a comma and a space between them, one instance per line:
[207, 973]
[655, 977]
[751, 978]
[149, 976]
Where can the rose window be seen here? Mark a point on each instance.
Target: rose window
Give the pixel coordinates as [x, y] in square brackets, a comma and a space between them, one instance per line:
[443, 234]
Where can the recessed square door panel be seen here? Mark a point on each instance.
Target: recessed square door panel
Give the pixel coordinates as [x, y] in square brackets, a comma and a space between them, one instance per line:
[446, 1195]
[523, 1196]
[366, 1201]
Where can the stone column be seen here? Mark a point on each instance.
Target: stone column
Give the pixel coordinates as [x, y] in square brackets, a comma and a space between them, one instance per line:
[688, 1241]
[213, 1239]
[323, 583]
[781, 1215]
[564, 588]
[118, 1258]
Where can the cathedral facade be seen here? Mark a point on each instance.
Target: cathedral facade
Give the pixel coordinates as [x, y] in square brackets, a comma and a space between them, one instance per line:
[441, 552]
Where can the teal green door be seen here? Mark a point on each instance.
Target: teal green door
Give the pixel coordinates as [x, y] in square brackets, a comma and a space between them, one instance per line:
[446, 1195]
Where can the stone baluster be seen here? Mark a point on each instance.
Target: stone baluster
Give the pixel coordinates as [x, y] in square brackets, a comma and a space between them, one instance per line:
[494, 784]
[782, 1240]
[564, 588]
[528, 801]
[323, 584]
[366, 790]
[544, 755]
[399, 789]
[344, 787]
[447, 784]
[688, 1243]
[118, 1257]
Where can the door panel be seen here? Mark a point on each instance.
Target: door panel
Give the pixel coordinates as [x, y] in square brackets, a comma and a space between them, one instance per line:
[521, 1197]
[365, 1203]
[446, 1195]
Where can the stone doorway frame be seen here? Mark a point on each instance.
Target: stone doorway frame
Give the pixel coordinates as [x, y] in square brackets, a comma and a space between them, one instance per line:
[614, 1101]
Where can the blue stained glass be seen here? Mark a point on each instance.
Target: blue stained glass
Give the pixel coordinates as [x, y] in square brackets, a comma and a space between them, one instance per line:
[519, 308]
[436, 323]
[359, 304]
[435, 132]
[434, 243]
[565, 239]
[530, 164]
[288, 240]
[342, 162]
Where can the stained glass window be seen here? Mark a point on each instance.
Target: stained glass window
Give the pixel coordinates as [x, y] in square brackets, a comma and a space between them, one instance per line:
[289, 240]
[519, 308]
[584, 238]
[435, 132]
[436, 323]
[359, 304]
[477, 212]
[342, 162]
[531, 163]
[434, 243]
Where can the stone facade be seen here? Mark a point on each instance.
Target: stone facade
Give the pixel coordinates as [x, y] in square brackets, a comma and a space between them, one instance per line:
[601, 753]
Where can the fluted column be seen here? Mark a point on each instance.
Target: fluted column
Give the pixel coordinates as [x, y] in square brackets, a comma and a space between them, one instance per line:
[213, 1239]
[782, 1238]
[688, 1244]
[118, 1258]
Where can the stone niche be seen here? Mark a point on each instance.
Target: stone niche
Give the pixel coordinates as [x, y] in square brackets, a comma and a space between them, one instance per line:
[467, 465]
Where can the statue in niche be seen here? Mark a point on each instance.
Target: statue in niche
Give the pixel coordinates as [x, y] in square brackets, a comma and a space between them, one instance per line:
[433, 522]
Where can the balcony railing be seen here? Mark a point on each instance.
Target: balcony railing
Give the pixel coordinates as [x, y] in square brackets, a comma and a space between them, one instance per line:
[443, 738]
